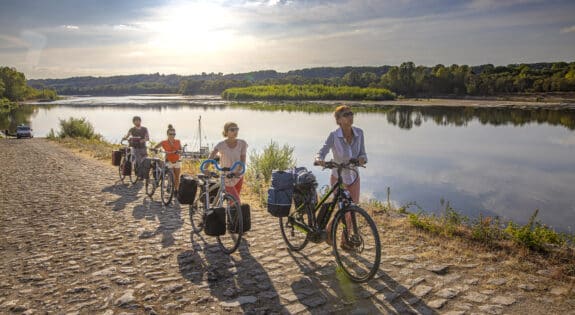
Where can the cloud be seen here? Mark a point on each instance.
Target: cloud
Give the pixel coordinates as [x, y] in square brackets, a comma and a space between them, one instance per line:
[494, 4]
[570, 29]
[70, 27]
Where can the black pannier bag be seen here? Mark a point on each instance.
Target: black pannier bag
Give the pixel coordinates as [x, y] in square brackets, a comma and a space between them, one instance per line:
[187, 190]
[246, 220]
[279, 201]
[127, 168]
[116, 157]
[143, 168]
[282, 180]
[215, 224]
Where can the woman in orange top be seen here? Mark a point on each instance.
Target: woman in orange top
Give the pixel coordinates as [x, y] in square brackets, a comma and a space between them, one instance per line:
[172, 146]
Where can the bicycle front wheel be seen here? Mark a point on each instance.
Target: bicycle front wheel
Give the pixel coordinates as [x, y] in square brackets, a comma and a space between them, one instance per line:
[151, 182]
[198, 213]
[230, 241]
[295, 237]
[121, 168]
[167, 187]
[133, 175]
[356, 244]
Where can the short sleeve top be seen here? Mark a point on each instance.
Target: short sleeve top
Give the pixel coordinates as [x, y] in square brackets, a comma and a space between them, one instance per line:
[228, 156]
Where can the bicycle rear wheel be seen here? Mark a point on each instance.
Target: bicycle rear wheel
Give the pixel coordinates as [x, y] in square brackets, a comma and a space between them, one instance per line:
[356, 244]
[295, 237]
[167, 186]
[125, 159]
[198, 213]
[230, 241]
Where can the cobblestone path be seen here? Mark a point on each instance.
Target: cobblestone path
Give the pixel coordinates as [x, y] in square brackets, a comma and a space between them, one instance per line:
[76, 241]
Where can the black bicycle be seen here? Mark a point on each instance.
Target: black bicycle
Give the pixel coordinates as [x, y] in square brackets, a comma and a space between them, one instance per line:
[127, 158]
[353, 232]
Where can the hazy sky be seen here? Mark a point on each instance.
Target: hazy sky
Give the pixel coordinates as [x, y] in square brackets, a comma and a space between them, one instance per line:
[64, 38]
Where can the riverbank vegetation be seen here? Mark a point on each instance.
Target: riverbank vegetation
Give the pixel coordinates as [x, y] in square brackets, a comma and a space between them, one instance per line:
[532, 242]
[406, 80]
[307, 92]
[13, 89]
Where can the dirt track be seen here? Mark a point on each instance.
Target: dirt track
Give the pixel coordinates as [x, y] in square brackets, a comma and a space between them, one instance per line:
[74, 240]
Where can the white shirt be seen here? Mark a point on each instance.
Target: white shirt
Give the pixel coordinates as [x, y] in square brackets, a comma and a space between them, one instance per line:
[343, 151]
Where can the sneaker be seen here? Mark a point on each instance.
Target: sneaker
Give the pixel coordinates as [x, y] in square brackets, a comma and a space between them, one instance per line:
[346, 246]
[353, 243]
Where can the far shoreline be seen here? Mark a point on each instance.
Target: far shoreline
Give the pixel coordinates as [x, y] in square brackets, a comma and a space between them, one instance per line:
[529, 101]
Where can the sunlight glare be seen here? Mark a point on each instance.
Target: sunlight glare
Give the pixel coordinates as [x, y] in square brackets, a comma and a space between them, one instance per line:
[192, 28]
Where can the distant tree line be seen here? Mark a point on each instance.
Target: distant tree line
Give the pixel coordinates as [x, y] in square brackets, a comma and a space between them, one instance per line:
[13, 88]
[406, 80]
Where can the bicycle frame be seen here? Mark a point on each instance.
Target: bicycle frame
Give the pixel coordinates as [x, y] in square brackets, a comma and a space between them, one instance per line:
[224, 171]
[342, 199]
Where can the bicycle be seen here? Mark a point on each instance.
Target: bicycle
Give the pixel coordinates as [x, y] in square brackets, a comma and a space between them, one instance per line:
[308, 221]
[127, 157]
[213, 195]
[161, 176]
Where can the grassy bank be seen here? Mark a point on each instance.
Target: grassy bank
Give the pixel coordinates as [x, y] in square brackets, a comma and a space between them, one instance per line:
[307, 92]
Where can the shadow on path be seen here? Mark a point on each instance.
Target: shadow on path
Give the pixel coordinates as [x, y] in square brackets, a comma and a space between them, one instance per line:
[339, 294]
[233, 281]
[169, 218]
[126, 194]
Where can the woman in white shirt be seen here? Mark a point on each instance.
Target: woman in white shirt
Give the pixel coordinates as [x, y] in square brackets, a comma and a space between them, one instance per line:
[345, 143]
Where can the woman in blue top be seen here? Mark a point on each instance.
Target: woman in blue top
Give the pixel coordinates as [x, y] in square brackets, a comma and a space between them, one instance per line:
[345, 143]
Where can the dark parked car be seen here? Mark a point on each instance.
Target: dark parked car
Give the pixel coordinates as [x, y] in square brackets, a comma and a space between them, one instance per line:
[23, 131]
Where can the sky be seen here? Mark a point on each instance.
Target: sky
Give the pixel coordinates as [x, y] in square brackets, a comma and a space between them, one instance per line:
[67, 38]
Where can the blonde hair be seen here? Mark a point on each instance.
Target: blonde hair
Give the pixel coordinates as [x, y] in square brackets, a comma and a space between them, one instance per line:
[227, 126]
[338, 112]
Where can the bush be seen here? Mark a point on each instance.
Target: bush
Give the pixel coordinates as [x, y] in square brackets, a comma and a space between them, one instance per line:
[272, 158]
[77, 128]
[260, 169]
[534, 235]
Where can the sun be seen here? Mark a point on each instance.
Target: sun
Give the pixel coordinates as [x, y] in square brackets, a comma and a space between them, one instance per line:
[192, 28]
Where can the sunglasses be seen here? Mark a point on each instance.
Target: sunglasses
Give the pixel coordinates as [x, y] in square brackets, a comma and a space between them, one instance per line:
[171, 134]
[347, 114]
[233, 129]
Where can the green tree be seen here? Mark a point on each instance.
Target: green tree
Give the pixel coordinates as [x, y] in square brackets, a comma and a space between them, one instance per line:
[14, 84]
[352, 78]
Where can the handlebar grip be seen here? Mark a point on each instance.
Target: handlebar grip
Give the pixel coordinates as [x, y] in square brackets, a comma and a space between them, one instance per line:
[240, 163]
[207, 162]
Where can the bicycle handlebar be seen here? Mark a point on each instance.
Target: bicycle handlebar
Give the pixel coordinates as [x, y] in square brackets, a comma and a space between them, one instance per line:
[164, 151]
[223, 169]
[333, 164]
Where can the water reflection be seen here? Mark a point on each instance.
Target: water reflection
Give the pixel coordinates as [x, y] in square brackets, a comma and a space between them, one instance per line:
[498, 161]
[407, 117]
[10, 118]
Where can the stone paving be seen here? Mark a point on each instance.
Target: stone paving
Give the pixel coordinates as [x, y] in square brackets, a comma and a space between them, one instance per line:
[74, 240]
